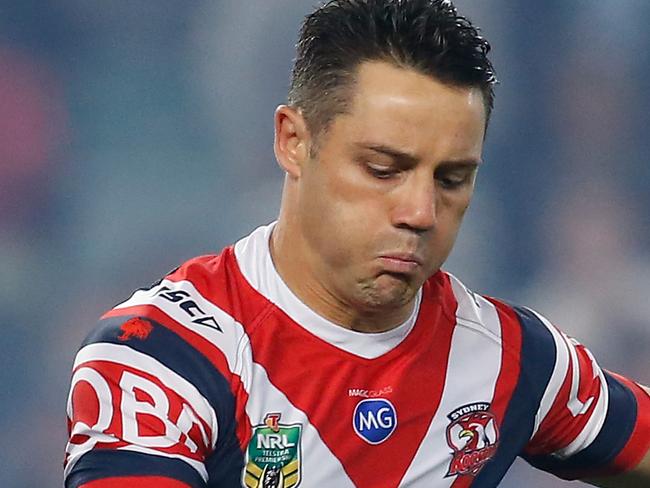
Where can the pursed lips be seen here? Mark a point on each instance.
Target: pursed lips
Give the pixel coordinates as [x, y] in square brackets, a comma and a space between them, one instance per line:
[400, 262]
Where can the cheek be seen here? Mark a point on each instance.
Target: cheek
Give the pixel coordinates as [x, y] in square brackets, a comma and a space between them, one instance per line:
[329, 219]
[455, 205]
[341, 223]
[347, 195]
[450, 217]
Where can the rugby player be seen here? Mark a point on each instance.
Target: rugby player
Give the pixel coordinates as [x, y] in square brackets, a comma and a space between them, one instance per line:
[329, 348]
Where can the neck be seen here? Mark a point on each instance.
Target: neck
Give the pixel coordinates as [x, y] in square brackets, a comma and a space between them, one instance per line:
[298, 268]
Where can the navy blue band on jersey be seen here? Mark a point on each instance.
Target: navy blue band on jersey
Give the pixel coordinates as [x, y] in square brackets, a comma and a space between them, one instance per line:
[537, 363]
[614, 434]
[103, 463]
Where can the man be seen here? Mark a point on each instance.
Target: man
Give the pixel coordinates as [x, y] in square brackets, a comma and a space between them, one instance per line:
[329, 349]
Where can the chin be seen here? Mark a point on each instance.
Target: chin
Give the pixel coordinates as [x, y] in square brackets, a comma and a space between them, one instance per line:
[387, 292]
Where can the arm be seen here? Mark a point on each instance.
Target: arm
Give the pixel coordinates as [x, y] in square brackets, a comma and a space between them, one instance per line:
[636, 478]
[133, 416]
[592, 424]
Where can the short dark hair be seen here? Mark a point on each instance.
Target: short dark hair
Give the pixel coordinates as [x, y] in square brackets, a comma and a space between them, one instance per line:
[425, 35]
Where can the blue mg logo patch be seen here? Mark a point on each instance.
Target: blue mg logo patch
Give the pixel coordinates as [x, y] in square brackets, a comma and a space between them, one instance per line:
[374, 420]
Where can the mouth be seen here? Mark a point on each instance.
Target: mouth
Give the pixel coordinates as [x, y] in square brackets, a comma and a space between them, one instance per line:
[400, 263]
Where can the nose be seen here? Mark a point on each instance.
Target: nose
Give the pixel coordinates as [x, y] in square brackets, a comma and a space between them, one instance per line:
[415, 208]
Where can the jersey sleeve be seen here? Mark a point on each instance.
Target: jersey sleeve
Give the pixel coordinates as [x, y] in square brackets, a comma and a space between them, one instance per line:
[130, 412]
[152, 402]
[590, 422]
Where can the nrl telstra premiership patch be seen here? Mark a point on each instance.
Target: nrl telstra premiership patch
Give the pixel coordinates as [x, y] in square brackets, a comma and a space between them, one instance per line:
[273, 454]
[374, 420]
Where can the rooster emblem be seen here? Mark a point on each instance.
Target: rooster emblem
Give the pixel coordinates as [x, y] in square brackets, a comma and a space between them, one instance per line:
[135, 327]
[473, 437]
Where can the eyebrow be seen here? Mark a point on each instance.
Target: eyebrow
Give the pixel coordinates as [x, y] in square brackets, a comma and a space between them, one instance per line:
[411, 159]
[401, 156]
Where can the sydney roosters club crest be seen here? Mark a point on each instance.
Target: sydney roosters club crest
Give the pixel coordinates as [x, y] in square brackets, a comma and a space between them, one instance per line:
[474, 436]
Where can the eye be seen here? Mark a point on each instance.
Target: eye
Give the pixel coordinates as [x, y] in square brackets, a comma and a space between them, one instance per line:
[454, 181]
[380, 172]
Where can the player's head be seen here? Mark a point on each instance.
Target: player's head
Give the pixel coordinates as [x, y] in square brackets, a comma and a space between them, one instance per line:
[381, 141]
[427, 36]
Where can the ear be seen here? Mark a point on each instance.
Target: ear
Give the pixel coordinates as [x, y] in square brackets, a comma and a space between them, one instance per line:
[292, 140]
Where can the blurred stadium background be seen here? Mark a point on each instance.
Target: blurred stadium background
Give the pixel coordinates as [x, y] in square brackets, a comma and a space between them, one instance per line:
[136, 134]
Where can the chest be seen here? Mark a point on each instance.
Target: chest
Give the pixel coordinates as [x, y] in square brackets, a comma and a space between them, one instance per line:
[419, 417]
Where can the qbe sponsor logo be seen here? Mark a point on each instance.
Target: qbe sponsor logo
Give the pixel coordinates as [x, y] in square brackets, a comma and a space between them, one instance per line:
[144, 413]
[374, 420]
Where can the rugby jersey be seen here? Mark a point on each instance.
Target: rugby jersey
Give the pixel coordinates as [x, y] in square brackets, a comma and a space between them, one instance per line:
[219, 376]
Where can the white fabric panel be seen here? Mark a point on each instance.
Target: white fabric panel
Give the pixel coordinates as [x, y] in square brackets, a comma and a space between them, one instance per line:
[472, 371]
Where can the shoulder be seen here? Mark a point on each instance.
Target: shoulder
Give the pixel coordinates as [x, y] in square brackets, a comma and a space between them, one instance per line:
[493, 316]
[186, 313]
[175, 334]
[197, 313]
[169, 351]
[205, 272]
[171, 331]
[577, 419]
[534, 353]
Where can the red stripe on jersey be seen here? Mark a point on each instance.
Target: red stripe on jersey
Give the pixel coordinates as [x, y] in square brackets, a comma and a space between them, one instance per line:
[560, 427]
[136, 482]
[510, 360]
[209, 350]
[639, 443]
[547, 441]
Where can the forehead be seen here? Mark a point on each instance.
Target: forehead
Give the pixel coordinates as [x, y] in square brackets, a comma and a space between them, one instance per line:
[413, 112]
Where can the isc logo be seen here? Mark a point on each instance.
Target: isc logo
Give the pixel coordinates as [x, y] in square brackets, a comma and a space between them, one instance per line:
[374, 420]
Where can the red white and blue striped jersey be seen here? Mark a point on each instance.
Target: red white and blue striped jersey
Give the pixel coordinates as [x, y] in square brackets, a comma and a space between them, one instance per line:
[220, 376]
